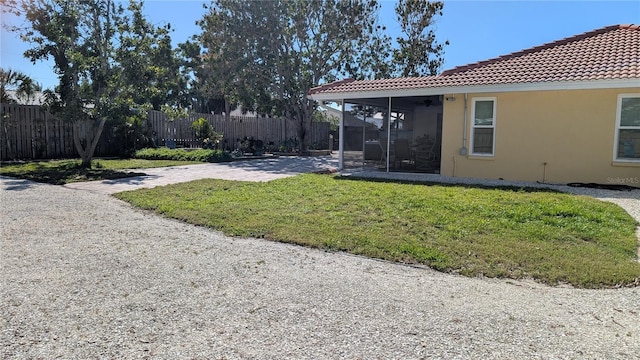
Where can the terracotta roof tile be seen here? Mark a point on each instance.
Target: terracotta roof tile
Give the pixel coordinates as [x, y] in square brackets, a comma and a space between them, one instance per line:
[608, 53]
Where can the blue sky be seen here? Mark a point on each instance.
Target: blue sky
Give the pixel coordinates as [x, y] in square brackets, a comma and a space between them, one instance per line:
[476, 30]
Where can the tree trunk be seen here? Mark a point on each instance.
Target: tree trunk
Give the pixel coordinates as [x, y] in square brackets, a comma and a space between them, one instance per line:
[303, 137]
[304, 127]
[86, 163]
[227, 111]
[10, 152]
[86, 152]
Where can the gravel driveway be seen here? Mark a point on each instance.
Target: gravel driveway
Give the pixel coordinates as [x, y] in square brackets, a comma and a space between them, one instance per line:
[87, 276]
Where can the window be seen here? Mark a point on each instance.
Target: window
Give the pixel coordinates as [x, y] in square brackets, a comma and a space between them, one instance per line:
[627, 144]
[483, 126]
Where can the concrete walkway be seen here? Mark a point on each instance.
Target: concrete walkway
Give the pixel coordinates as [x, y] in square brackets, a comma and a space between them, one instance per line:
[249, 170]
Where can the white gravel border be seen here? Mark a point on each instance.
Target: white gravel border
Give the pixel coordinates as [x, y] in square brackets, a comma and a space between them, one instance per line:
[87, 276]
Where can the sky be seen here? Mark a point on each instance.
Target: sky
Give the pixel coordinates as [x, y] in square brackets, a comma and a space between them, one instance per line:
[476, 30]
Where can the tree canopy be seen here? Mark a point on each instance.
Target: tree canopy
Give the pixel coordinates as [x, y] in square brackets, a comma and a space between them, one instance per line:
[418, 52]
[270, 53]
[110, 61]
[266, 55]
[262, 55]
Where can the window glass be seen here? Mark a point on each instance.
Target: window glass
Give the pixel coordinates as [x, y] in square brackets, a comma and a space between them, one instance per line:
[630, 112]
[484, 113]
[483, 141]
[629, 144]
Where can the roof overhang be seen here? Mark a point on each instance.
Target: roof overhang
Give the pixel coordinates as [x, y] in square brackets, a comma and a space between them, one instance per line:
[541, 86]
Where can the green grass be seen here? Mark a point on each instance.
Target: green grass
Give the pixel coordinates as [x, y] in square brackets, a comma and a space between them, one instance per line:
[60, 172]
[512, 233]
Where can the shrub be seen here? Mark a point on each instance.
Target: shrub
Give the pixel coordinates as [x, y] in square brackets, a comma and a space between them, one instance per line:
[124, 135]
[251, 145]
[206, 134]
[290, 145]
[202, 128]
[204, 155]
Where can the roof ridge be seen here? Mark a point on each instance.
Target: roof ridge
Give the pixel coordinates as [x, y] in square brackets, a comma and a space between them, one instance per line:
[534, 49]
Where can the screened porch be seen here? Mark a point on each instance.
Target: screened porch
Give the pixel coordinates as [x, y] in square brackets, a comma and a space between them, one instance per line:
[392, 134]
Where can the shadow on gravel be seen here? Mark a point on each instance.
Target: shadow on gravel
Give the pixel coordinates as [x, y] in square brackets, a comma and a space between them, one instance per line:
[138, 179]
[285, 164]
[16, 184]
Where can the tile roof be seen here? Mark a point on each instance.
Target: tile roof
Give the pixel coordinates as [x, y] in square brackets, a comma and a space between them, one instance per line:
[608, 53]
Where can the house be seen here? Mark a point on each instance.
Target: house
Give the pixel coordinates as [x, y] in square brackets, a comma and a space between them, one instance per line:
[563, 112]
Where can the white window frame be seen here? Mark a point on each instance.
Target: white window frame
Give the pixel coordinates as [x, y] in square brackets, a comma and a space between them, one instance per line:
[616, 141]
[474, 126]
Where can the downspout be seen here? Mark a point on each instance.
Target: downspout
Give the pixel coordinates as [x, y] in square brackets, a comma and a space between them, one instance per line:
[463, 150]
[364, 139]
[388, 133]
[341, 139]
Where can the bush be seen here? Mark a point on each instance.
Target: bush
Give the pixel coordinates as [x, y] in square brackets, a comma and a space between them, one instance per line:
[251, 145]
[204, 155]
[206, 133]
[202, 128]
[123, 136]
[290, 145]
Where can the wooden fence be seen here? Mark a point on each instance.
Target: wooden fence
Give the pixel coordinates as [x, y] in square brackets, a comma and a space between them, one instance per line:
[269, 130]
[29, 132]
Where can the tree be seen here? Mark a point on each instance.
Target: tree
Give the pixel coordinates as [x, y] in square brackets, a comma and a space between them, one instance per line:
[24, 86]
[27, 89]
[199, 95]
[149, 66]
[78, 36]
[419, 54]
[221, 64]
[280, 49]
[97, 47]
[9, 80]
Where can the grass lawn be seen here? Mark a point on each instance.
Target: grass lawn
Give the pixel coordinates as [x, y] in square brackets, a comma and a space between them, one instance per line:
[512, 233]
[60, 172]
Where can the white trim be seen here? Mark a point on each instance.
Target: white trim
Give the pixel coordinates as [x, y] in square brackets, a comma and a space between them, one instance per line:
[540, 86]
[618, 128]
[341, 138]
[474, 126]
[388, 135]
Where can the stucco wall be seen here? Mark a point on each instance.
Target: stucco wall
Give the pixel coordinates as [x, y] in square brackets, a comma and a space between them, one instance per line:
[571, 131]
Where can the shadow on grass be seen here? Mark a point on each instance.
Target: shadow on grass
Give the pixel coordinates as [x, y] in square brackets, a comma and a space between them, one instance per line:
[69, 172]
[513, 188]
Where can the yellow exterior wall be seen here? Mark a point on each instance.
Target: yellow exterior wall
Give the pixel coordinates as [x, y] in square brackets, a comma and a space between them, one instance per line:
[572, 131]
